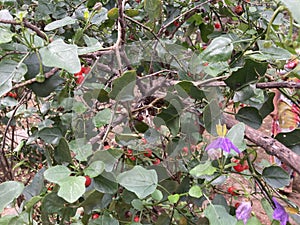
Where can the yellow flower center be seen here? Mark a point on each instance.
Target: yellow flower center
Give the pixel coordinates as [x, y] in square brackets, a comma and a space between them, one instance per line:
[221, 130]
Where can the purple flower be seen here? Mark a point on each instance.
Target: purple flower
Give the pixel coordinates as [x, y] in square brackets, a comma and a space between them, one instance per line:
[243, 212]
[223, 143]
[279, 213]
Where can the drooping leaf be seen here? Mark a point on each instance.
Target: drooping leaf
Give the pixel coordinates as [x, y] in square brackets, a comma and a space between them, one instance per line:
[62, 152]
[59, 23]
[71, 188]
[123, 87]
[139, 180]
[219, 49]
[276, 177]
[94, 169]
[102, 118]
[9, 191]
[36, 185]
[248, 73]
[61, 55]
[217, 215]
[57, 173]
[203, 169]
[249, 116]
[51, 135]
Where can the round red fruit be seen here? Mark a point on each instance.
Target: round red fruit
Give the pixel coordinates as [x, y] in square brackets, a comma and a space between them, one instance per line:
[156, 161]
[88, 181]
[85, 69]
[232, 190]
[95, 216]
[217, 25]
[148, 153]
[176, 23]
[239, 10]
[236, 205]
[238, 168]
[136, 219]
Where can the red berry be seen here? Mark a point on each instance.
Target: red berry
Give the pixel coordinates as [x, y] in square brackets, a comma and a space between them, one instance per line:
[176, 23]
[85, 69]
[129, 152]
[217, 25]
[132, 158]
[12, 94]
[238, 168]
[144, 140]
[136, 219]
[291, 65]
[148, 153]
[239, 10]
[237, 205]
[156, 161]
[185, 149]
[88, 181]
[232, 190]
[95, 216]
[79, 79]
[40, 166]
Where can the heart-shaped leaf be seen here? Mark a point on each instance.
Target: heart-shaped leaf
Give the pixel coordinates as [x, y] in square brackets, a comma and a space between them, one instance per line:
[57, 173]
[61, 55]
[71, 188]
[9, 190]
[139, 180]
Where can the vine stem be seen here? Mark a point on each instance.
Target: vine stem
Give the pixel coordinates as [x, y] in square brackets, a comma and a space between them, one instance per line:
[277, 11]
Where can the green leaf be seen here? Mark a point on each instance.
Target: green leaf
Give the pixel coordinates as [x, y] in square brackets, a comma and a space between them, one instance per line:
[71, 188]
[51, 135]
[123, 87]
[272, 52]
[203, 169]
[79, 108]
[276, 177]
[61, 55]
[57, 173]
[62, 152]
[250, 72]
[212, 116]
[289, 139]
[217, 215]
[293, 5]
[251, 221]
[10, 71]
[100, 17]
[195, 191]
[268, 106]
[249, 116]
[5, 35]
[153, 8]
[139, 180]
[81, 149]
[173, 199]
[267, 207]
[94, 169]
[170, 116]
[102, 118]
[137, 204]
[220, 49]
[9, 191]
[236, 135]
[106, 183]
[109, 157]
[60, 23]
[104, 220]
[157, 195]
